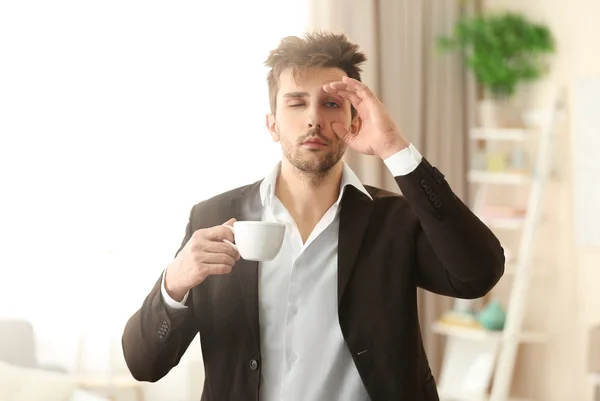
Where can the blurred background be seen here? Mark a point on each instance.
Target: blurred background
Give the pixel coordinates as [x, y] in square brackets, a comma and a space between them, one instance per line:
[117, 116]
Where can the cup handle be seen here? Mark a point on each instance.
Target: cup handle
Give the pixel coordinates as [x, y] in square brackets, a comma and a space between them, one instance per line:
[229, 242]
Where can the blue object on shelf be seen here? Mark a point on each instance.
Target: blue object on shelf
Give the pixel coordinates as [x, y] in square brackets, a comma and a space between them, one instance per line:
[493, 316]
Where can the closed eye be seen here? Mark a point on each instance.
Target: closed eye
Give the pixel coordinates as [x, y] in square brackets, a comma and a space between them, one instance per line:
[296, 105]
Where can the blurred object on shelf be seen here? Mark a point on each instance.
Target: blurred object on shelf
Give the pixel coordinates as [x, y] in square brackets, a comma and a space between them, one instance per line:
[460, 319]
[493, 316]
[496, 161]
[517, 158]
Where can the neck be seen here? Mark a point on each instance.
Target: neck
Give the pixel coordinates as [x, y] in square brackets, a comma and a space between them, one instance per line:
[308, 196]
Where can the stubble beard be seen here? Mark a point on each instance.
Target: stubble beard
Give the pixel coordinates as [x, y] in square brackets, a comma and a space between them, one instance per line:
[313, 165]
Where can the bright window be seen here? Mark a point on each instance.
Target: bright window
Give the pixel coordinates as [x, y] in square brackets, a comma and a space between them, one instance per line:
[115, 118]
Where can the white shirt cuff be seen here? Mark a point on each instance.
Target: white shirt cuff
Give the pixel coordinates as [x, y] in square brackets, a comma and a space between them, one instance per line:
[170, 302]
[404, 162]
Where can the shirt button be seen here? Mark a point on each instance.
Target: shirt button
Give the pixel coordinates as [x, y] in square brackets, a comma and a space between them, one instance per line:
[293, 358]
[293, 310]
[253, 364]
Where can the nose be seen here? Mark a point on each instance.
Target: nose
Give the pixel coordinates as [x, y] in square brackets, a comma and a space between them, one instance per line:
[315, 119]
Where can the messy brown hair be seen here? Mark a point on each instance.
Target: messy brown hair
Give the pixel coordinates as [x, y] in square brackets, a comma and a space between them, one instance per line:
[316, 49]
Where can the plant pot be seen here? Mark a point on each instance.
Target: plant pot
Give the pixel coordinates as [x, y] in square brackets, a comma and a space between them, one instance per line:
[489, 114]
[494, 113]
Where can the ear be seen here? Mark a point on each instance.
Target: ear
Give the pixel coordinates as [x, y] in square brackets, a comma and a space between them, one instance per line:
[272, 127]
[355, 125]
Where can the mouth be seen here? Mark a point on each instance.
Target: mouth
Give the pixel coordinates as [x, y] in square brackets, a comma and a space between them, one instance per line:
[314, 143]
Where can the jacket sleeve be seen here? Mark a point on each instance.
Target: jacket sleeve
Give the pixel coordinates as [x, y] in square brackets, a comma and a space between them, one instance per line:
[457, 255]
[155, 338]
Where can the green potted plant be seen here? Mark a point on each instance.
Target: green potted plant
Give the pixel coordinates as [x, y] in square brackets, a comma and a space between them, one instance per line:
[502, 50]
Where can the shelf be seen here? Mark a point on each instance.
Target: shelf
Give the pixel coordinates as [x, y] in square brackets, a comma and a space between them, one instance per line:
[466, 332]
[500, 134]
[510, 270]
[105, 382]
[506, 223]
[463, 397]
[490, 177]
[482, 334]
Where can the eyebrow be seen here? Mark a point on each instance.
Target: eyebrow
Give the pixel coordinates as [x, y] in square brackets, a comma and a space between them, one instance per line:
[295, 94]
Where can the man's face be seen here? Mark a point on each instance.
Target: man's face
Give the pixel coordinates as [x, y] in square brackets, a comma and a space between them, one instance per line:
[302, 123]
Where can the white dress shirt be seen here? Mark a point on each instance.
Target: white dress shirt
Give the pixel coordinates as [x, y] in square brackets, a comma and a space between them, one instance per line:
[304, 356]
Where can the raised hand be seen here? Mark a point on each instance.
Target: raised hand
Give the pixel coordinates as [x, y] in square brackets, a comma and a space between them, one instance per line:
[377, 134]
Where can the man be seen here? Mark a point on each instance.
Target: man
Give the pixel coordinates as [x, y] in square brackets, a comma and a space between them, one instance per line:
[334, 315]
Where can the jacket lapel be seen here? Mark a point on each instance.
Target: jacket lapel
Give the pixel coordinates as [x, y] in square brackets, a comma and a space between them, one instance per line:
[355, 212]
[248, 207]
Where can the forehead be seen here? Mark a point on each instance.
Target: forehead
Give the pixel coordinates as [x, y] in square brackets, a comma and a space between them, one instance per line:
[308, 78]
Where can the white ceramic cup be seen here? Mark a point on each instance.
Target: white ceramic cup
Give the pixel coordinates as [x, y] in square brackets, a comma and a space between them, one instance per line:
[257, 240]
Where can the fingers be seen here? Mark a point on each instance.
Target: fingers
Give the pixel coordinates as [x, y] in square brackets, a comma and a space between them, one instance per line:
[218, 269]
[341, 131]
[344, 92]
[334, 86]
[209, 258]
[221, 247]
[351, 96]
[230, 222]
[349, 88]
[217, 233]
[353, 84]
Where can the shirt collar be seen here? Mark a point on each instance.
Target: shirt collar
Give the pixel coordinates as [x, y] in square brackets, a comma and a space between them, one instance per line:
[267, 186]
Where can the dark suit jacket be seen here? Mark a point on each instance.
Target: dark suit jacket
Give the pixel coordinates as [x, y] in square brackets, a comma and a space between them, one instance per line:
[388, 247]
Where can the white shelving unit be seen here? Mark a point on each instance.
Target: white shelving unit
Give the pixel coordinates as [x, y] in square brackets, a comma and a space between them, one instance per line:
[478, 364]
[485, 335]
[486, 177]
[503, 223]
[501, 134]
